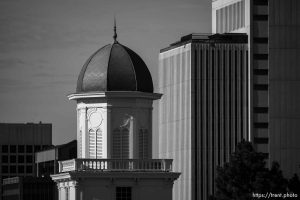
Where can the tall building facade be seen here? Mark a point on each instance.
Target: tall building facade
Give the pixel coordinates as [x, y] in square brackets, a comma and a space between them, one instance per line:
[204, 110]
[114, 119]
[18, 143]
[273, 28]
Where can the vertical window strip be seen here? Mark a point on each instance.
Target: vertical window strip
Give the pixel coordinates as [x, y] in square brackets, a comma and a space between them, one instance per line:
[121, 143]
[195, 159]
[247, 91]
[229, 99]
[207, 119]
[236, 96]
[224, 105]
[143, 144]
[212, 115]
[201, 62]
[241, 93]
[219, 107]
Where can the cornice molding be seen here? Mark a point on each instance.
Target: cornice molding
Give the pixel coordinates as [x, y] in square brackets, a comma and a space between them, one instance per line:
[115, 94]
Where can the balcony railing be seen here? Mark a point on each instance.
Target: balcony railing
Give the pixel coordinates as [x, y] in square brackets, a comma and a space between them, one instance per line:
[115, 165]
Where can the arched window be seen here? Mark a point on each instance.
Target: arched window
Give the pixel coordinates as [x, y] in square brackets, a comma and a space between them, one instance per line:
[120, 143]
[95, 144]
[92, 143]
[143, 144]
[99, 143]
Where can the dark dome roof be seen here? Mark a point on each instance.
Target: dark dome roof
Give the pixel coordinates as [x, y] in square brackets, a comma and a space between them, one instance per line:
[114, 67]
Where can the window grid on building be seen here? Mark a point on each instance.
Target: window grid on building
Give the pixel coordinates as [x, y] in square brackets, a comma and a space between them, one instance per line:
[123, 193]
[18, 160]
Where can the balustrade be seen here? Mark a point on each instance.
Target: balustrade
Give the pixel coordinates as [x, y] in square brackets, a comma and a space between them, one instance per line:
[115, 165]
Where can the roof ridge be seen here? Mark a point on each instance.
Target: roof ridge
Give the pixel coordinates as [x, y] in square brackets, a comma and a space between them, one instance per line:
[108, 65]
[132, 66]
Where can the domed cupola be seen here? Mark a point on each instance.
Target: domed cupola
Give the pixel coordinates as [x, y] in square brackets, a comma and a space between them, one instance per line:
[114, 67]
[114, 105]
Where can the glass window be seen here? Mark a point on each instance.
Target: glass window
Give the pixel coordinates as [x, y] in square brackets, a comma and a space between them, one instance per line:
[21, 148]
[13, 169]
[37, 148]
[13, 159]
[29, 159]
[13, 148]
[29, 149]
[21, 159]
[28, 169]
[21, 169]
[4, 148]
[4, 169]
[120, 140]
[4, 159]
[143, 144]
[123, 193]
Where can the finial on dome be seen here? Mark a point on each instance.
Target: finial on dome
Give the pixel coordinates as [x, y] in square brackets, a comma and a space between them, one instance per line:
[115, 31]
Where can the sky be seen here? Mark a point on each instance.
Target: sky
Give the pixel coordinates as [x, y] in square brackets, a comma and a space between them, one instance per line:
[44, 44]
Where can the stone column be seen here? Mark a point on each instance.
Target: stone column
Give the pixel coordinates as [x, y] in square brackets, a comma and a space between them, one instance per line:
[73, 191]
[61, 192]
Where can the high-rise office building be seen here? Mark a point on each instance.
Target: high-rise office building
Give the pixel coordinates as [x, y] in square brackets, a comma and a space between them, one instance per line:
[204, 111]
[41, 187]
[273, 28]
[18, 143]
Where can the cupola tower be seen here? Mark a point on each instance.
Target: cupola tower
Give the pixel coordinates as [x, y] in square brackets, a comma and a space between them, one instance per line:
[114, 105]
